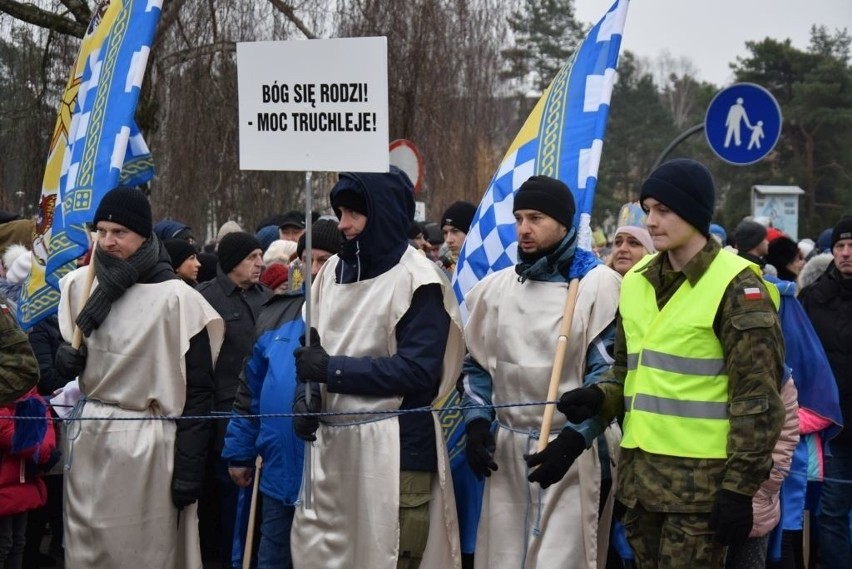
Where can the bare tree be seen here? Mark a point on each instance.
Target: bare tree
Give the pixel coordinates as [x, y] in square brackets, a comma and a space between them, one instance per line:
[443, 66]
[443, 61]
[676, 78]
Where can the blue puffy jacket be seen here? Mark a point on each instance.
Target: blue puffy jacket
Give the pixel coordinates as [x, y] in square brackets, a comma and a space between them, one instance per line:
[267, 385]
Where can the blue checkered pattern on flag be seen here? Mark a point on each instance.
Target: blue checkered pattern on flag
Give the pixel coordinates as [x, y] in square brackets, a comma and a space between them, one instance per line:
[562, 138]
[95, 146]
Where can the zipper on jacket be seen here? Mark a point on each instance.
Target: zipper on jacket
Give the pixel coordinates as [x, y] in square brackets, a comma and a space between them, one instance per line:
[23, 473]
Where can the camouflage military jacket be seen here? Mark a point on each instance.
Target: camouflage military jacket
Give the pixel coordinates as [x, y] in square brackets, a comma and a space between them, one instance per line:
[749, 330]
[18, 365]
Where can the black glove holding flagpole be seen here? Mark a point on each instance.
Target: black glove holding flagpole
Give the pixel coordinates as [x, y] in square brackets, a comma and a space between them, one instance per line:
[311, 361]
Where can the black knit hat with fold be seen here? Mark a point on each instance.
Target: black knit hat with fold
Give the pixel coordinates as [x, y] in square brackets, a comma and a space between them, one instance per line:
[549, 196]
[459, 215]
[179, 251]
[128, 207]
[324, 235]
[842, 230]
[234, 247]
[687, 188]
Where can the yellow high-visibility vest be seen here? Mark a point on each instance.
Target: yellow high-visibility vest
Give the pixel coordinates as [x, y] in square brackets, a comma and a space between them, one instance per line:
[676, 390]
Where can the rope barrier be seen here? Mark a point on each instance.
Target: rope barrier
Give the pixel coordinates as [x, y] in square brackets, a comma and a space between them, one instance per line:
[218, 416]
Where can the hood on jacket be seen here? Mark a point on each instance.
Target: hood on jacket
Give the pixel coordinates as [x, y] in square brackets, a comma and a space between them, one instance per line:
[169, 229]
[785, 288]
[390, 211]
[814, 269]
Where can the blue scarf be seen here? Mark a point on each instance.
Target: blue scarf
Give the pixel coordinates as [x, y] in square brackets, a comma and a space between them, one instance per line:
[563, 263]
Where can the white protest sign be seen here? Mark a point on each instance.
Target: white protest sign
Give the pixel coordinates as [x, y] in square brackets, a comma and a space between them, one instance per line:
[313, 105]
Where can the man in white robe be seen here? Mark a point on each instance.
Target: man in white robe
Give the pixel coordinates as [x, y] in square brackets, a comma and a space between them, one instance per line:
[540, 509]
[389, 338]
[150, 345]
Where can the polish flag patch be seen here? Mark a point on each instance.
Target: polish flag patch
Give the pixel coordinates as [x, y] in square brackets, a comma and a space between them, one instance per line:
[752, 293]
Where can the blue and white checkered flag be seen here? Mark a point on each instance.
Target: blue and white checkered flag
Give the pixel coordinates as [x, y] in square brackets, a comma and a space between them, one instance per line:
[562, 138]
[95, 146]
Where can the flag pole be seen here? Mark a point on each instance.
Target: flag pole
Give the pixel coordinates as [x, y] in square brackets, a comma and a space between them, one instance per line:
[249, 546]
[558, 362]
[77, 338]
[306, 271]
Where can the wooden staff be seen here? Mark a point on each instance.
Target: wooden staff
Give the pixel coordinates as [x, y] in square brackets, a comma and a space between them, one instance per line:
[258, 465]
[77, 338]
[558, 362]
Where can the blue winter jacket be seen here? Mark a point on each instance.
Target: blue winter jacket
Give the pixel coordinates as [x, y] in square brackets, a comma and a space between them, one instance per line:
[267, 385]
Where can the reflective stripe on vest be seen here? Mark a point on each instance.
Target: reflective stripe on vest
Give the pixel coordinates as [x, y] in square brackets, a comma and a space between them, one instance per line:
[663, 406]
[676, 390]
[677, 364]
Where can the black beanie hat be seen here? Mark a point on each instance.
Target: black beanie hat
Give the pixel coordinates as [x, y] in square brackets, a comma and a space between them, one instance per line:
[179, 251]
[843, 230]
[234, 247]
[324, 235]
[416, 229]
[549, 196]
[782, 252]
[128, 207]
[459, 215]
[351, 199]
[748, 235]
[687, 188]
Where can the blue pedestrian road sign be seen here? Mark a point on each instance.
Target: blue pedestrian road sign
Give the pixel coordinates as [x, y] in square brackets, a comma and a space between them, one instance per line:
[743, 123]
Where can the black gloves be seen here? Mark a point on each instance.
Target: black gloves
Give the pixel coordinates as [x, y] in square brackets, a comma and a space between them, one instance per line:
[70, 362]
[732, 517]
[184, 493]
[311, 362]
[480, 448]
[306, 427]
[556, 458]
[581, 403]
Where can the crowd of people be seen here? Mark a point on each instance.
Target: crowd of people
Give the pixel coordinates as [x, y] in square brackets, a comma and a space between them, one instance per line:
[702, 389]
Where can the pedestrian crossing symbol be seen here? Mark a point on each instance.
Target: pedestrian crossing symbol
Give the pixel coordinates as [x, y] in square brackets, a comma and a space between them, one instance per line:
[743, 123]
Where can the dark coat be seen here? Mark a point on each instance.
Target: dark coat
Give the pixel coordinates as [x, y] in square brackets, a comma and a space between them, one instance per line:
[828, 303]
[45, 339]
[239, 308]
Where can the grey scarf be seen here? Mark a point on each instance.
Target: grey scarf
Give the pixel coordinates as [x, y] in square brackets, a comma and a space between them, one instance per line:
[115, 276]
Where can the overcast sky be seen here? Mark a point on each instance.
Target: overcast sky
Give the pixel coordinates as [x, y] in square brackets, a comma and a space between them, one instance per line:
[713, 33]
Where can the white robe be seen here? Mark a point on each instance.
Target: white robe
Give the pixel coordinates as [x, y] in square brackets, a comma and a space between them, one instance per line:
[512, 332]
[118, 508]
[354, 521]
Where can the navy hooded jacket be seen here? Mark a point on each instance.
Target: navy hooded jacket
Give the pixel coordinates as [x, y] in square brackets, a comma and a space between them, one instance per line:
[414, 372]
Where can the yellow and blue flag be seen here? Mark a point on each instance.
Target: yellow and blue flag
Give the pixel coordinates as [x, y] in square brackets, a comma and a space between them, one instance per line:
[562, 138]
[95, 146]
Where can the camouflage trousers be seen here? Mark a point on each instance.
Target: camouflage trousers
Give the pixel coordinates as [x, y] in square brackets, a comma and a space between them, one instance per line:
[672, 540]
[415, 492]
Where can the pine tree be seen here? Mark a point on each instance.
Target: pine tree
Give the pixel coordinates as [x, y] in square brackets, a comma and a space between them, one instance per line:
[546, 34]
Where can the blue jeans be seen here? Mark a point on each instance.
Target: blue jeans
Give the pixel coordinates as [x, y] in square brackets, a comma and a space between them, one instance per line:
[835, 548]
[274, 549]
